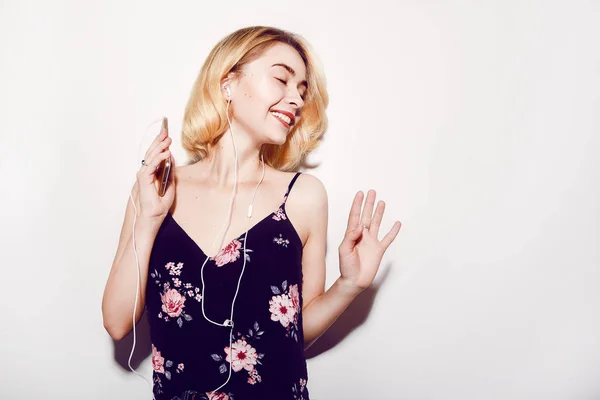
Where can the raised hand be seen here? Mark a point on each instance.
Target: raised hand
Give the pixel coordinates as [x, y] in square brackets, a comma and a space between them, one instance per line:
[149, 203]
[361, 251]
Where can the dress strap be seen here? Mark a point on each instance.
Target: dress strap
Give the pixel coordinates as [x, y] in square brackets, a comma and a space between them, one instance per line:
[290, 186]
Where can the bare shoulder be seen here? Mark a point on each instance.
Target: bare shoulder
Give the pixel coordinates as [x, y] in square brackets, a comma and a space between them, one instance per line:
[307, 204]
[311, 189]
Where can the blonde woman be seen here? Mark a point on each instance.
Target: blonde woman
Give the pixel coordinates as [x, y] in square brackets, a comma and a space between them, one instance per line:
[233, 305]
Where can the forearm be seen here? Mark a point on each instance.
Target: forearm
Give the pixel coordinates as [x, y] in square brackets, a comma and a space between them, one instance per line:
[120, 291]
[322, 312]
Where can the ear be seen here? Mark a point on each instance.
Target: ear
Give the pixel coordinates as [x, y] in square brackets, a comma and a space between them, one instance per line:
[227, 86]
[226, 90]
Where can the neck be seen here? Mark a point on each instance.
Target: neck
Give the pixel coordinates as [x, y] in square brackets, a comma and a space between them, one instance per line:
[221, 164]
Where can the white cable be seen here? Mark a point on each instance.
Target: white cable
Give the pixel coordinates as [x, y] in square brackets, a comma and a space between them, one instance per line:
[137, 286]
[229, 322]
[234, 191]
[137, 291]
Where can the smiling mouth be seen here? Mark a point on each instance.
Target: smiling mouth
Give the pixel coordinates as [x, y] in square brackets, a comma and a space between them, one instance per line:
[284, 119]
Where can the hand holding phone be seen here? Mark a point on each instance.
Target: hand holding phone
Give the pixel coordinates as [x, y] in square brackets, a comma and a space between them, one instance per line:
[154, 185]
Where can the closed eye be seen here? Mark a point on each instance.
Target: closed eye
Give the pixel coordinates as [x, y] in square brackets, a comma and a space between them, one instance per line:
[302, 96]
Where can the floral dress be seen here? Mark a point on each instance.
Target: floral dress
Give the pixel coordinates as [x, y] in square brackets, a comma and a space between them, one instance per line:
[191, 357]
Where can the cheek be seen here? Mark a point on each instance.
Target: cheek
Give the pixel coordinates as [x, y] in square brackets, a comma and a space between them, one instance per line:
[255, 94]
[269, 90]
[256, 98]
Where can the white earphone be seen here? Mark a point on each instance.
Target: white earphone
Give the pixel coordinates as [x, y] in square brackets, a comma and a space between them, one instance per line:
[229, 321]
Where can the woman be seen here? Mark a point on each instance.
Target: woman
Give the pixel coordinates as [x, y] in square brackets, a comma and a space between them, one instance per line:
[233, 321]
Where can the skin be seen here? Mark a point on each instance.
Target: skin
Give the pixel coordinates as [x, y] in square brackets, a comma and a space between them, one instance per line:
[198, 199]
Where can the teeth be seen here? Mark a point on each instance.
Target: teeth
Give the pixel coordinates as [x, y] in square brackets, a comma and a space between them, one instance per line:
[282, 117]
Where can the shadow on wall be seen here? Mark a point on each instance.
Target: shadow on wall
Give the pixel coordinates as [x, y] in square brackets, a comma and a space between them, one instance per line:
[143, 346]
[354, 316]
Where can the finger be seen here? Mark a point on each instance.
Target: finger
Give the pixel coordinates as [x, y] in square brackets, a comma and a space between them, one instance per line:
[389, 238]
[377, 217]
[354, 216]
[352, 236]
[160, 137]
[367, 213]
[160, 147]
[155, 161]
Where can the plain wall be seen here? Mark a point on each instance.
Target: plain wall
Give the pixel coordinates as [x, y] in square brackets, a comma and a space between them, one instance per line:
[476, 121]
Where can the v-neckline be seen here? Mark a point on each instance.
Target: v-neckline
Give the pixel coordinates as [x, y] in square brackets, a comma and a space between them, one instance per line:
[281, 207]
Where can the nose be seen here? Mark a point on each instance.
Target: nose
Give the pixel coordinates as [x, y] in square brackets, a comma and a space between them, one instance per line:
[295, 99]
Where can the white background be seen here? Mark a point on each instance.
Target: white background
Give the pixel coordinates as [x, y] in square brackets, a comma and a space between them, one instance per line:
[476, 121]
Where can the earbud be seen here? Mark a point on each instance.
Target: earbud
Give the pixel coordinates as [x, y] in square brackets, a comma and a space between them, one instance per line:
[228, 90]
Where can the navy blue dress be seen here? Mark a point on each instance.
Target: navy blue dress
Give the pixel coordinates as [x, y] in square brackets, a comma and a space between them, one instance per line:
[190, 355]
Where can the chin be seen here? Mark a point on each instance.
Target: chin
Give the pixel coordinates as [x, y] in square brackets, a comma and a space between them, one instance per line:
[276, 139]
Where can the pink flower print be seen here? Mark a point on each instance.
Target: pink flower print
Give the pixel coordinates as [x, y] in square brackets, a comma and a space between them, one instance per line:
[254, 377]
[295, 296]
[176, 270]
[229, 254]
[217, 396]
[176, 282]
[180, 368]
[282, 309]
[198, 297]
[173, 303]
[190, 293]
[244, 356]
[279, 214]
[158, 361]
[187, 285]
[281, 241]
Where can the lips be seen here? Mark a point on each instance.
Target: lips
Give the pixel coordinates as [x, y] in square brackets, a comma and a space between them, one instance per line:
[282, 122]
[288, 114]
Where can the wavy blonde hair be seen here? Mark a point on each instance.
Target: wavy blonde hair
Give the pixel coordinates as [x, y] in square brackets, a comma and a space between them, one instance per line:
[205, 119]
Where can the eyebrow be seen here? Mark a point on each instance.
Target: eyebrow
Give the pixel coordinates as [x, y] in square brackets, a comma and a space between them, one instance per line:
[290, 70]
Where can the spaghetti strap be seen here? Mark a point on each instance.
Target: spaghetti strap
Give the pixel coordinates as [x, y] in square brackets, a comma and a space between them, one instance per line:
[290, 186]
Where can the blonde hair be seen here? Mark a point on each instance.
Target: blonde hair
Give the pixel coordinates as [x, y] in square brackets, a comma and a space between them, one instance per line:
[205, 119]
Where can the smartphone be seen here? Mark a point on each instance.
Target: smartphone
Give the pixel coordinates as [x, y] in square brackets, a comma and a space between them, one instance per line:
[164, 168]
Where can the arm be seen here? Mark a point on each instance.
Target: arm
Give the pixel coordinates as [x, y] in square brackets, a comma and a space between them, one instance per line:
[321, 308]
[119, 294]
[325, 309]
[360, 254]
